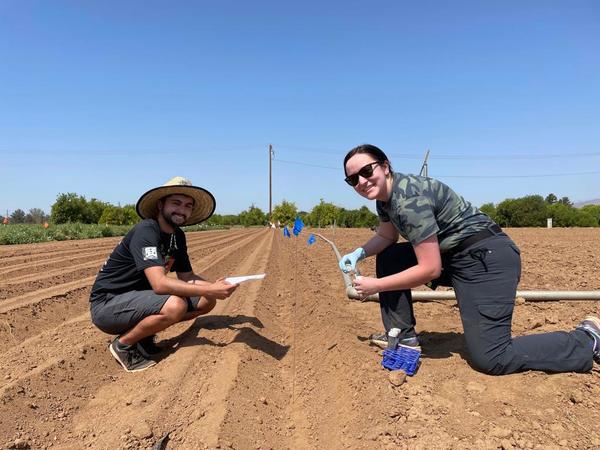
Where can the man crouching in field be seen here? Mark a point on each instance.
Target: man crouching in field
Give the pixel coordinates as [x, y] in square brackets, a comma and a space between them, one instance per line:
[132, 297]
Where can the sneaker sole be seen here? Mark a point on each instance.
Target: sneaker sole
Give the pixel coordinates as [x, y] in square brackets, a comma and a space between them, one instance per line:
[595, 323]
[595, 320]
[380, 344]
[112, 352]
[384, 345]
[413, 347]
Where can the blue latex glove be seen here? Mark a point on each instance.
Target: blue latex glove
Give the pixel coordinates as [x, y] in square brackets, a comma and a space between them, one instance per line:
[348, 261]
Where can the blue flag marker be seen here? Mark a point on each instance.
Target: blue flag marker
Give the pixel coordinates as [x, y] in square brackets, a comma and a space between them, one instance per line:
[286, 232]
[311, 239]
[298, 225]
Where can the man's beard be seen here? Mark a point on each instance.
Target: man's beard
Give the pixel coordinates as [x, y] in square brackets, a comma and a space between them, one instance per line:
[169, 220]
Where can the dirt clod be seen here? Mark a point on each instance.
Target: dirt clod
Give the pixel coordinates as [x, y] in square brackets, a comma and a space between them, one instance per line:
[397, 377]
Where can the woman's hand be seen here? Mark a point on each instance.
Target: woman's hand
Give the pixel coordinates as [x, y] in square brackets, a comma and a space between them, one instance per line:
[348, 262]
[366, 285]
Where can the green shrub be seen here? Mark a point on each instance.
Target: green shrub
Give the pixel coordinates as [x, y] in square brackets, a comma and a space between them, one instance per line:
[28, 234]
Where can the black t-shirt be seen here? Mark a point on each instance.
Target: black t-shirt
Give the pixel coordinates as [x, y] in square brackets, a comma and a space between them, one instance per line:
[145, 245]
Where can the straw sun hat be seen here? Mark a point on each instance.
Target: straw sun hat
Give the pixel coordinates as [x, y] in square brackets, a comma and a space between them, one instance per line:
[204, 202]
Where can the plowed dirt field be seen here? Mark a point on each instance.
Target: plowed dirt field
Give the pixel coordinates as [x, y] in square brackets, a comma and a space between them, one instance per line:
[283, 363]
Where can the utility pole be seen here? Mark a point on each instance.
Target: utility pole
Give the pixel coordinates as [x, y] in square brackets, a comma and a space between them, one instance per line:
[271, 154]
[424, 166]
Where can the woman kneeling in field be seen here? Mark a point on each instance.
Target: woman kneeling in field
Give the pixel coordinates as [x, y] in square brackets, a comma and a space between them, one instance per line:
[452, 243]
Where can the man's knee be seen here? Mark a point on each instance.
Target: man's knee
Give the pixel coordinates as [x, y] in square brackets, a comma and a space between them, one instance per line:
[175, 308]
[212, 302]
[206, 304]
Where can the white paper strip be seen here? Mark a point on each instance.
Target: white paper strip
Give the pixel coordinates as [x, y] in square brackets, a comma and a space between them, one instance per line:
[236, 280]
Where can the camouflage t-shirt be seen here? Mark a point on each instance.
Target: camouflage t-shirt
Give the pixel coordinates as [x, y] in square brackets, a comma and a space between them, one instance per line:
[420, 207]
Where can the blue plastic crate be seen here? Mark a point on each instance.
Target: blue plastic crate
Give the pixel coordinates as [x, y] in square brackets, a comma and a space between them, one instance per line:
[403, 358]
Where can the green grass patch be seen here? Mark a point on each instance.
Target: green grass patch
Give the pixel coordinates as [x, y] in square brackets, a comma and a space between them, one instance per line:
[204, 227]
[28, 234]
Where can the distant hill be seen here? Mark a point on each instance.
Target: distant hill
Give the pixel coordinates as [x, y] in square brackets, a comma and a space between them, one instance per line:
[595, 201]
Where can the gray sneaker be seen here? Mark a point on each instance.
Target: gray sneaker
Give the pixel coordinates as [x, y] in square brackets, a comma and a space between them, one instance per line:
[148, 347]
[591, 325]
[129, 356]
[381, 340]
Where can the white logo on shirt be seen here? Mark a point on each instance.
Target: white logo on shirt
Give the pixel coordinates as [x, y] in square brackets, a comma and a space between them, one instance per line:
[149, 253]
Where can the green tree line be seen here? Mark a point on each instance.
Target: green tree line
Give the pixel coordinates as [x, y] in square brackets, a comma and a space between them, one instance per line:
[534, 210]
[34, 216]
[528, 211]
[73, 208]
[323, 215]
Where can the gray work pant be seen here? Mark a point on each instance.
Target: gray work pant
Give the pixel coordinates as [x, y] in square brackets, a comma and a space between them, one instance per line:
[485, 278]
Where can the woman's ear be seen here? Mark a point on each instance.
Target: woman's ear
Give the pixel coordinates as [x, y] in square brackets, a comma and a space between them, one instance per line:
[386, 168]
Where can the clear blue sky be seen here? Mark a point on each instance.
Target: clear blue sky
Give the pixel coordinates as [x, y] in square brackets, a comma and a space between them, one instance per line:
[110, 98]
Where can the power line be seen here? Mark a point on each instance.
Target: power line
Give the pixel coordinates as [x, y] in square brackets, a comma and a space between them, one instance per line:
[515, 156]
[134, 151]
[458, 156]
[307, 164]
[562, 174]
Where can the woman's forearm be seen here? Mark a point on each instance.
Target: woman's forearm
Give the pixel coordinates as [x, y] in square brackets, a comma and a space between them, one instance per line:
[407, 279]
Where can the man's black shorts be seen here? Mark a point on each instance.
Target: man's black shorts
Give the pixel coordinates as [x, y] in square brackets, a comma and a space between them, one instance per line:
[117, 314]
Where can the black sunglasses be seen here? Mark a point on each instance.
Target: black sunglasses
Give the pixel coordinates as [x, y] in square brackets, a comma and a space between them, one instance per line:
[365, 172]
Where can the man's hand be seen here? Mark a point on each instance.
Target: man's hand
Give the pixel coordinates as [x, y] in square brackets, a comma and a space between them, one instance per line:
[188, 284]
[221, 289]
[214, 289]
[348, 261]
[366, 286]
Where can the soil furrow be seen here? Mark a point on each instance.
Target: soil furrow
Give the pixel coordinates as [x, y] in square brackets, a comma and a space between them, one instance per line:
[22, 323]
[69, 272]
[12, 256]
[264, 414]
[46, 294]
[26, 253]
[16, 270]
[40, 294]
